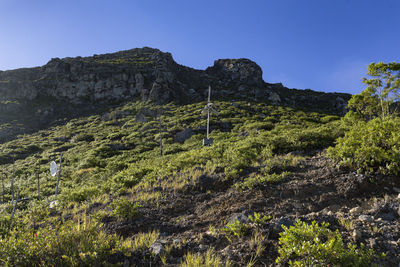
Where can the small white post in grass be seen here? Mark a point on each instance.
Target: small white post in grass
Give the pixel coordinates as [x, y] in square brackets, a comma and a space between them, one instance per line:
[56, 170]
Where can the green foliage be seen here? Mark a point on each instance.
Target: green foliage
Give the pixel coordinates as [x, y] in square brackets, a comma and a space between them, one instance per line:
[236, 228]
[123, 209]
[209, 259]
[259, 221]
[59, 244]
[83, 137]
[315, 245]
[370, 146]
[117, 157]
[5, 223]
[381, 93]
[79, 194]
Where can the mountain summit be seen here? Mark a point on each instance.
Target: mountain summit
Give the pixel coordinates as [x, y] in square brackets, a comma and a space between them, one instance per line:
[142, 73]
[69, 87]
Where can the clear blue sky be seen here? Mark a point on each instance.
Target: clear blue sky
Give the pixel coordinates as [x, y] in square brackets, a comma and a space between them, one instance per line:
[323, 45]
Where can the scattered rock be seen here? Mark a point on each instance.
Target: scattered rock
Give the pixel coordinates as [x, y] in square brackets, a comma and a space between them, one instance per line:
[277, 227]
[356, 235]
[205, 182]
[242, 217]
[140, 118]
[182, 136]
[365, 218]
[157, 248]
[355, 211]
[53, 204]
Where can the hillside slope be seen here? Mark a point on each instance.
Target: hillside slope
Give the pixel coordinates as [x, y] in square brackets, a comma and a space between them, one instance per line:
[121, 202]
[34, 98]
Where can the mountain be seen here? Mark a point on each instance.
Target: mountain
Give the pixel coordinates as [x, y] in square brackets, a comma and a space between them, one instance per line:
[137, 187]
[63, 88]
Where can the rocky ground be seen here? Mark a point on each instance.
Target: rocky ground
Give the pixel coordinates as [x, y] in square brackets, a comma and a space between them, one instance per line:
[364, 208]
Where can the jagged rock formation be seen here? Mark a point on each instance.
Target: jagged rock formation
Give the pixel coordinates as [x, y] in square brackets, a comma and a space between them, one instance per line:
[73, 85]
[142, 73]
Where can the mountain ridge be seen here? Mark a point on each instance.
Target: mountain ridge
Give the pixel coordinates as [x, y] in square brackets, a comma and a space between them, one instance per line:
[72, 86]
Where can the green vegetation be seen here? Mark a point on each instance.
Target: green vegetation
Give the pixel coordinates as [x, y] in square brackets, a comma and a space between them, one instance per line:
[124, 209]
[236, 228]
[372, 142]
[112, 172]
[315, 245]
[209, 259]
[371, 146]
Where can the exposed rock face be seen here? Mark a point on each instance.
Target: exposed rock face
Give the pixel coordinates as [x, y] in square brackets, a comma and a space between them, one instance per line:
[145, 74]
[69, 87]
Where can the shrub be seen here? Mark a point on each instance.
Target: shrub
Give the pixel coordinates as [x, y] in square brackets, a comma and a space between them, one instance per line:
[236, 228]
[83, 137]
[67, 244]
[316, 245]
[209, 259]
[79, 194]
[370, 146]
[124, 209]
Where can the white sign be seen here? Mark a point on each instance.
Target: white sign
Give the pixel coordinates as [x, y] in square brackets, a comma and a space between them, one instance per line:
[53, 168]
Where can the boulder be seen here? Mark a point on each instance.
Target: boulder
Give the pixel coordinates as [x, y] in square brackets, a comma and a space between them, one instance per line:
[182, 136]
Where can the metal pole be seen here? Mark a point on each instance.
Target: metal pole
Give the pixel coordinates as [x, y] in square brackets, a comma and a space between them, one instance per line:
[15, 205]
[208, 121]
[161, 144]
[12, 181]
[59, 173]
[208, 110]
[37, 176]
[2, 182]
[12, 188]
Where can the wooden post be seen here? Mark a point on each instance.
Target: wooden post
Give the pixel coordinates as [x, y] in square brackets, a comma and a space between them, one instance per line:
[59, 173]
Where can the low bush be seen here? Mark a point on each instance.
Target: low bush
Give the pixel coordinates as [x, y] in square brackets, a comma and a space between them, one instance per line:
[237, 229]
[209, 259]
[60, 244]
[370, 146]
[79, 194]
[124, 209]
[315, 245]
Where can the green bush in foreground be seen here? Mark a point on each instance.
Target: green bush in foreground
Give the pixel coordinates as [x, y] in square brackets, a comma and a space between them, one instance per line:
[316, 245]
[370, 146]
[60, 244]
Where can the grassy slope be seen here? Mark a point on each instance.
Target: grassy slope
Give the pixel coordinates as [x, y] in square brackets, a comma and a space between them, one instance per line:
[112, 170]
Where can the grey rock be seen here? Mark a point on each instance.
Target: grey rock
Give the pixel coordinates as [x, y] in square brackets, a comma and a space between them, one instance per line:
[157, 248]
[182, 136]
[356, 210]
[140, 118]
[365, 218]
[356, 235]
[274, 98]
[242, 217]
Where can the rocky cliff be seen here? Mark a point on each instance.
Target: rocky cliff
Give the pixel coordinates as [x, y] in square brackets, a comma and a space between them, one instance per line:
[142, 73]
[73, 85]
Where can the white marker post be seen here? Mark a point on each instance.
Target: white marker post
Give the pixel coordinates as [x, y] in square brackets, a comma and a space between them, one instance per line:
[54, 170]
[209, 107]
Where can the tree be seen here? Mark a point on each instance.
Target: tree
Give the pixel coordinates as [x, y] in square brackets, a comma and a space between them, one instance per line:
[382, 91]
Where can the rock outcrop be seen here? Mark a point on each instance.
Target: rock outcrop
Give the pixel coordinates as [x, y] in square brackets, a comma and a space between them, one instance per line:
[68, 87]
[143, 74]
